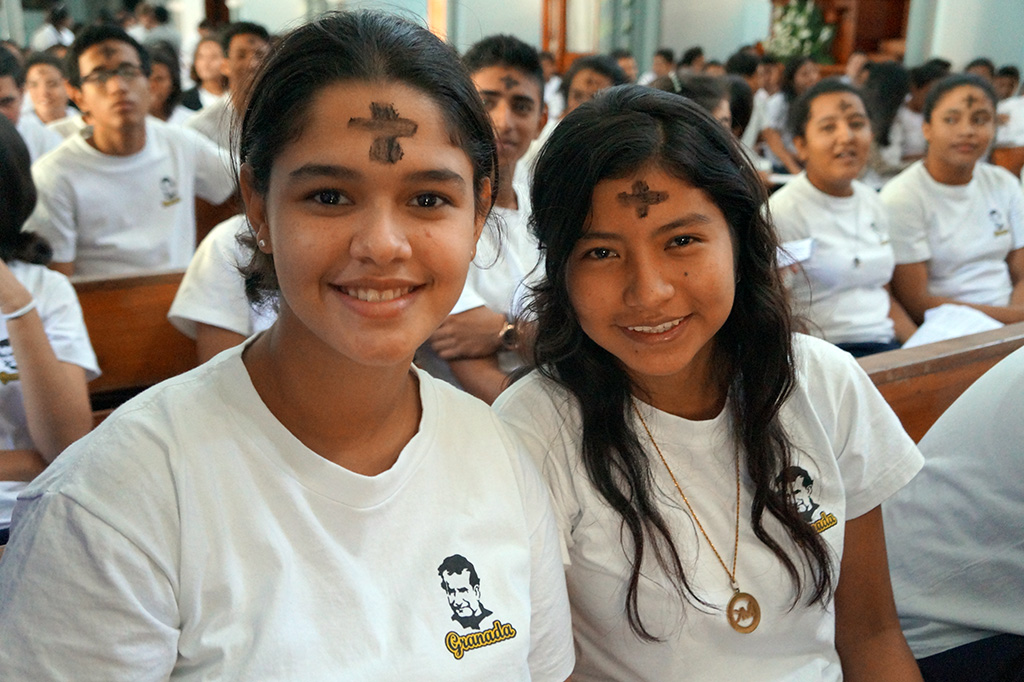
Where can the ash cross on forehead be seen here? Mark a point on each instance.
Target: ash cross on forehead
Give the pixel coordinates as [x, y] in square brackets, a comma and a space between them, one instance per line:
[970, 100]
[642, 198]
[845, 104]
[509, 81]
[385, 122]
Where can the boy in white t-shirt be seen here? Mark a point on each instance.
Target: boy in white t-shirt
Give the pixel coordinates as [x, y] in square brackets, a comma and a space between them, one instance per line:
[119, 198]
[37, 138]
[508, 75]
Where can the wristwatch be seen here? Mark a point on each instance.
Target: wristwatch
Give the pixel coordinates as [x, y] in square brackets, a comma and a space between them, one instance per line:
[508, 337]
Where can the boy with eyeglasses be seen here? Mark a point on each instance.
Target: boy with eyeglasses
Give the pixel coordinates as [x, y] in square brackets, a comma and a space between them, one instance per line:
[118, 198]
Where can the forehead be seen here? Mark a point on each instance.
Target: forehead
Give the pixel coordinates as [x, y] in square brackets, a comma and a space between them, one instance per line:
[502, 78]
[7, 86]
[246, 42]
[832, 103]
[588, 79]
[106, 53]
[614, 204]
[346, 118]
[43, 71]
[965, 97]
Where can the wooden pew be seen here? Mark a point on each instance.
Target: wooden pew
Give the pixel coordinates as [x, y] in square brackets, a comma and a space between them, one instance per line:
[920, 383]
[135, 345]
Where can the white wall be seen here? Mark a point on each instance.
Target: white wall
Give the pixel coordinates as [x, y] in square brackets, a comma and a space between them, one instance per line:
[960, 31]
[718, 26]
[471, 20]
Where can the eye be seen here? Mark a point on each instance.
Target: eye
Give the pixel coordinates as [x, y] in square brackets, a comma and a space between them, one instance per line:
[682, 240]
[429, 200]
[599, 253]
[328, 197]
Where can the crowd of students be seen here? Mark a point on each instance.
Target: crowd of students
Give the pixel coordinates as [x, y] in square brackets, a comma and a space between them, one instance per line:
[673, 481]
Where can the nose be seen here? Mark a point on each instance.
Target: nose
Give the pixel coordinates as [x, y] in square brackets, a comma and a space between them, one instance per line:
[380, 240]
[647, 287]
[499, 116]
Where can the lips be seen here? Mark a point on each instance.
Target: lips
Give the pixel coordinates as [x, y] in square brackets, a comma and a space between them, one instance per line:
[371, 295]
[657, 328]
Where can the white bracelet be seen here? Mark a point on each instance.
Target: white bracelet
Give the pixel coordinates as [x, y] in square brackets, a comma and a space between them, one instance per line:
[20, 312]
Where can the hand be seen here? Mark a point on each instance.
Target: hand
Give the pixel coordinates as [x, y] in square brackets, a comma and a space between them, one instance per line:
[470, 334]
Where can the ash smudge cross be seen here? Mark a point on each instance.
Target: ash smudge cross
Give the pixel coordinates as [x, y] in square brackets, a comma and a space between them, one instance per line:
[509, 82]
[386, 123]
[642, 197]
[971, 99]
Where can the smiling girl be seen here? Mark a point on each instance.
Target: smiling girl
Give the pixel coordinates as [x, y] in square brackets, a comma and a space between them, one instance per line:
[716, 480]
[309, 506]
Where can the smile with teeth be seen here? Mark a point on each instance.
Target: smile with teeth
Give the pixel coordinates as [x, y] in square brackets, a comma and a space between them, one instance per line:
[659, 329]
[376, 295]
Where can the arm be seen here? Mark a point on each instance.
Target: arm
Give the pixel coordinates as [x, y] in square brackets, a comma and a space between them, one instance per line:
[903, 326]
[66, 269]
[211, 340]
[868, 637]
[1015, 262]
[910, 288]
[480, 377]
[470, 334]
[773, 139]
[20, 465]
[54, 393]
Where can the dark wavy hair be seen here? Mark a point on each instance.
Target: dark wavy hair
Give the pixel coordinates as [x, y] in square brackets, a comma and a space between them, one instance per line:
[788, 86]
[885, 90]
[622, 130]
[163, 53]
[354, 46]
[17, 199]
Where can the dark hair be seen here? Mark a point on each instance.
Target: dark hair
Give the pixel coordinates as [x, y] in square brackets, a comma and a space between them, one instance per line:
[242, 28]
[193, 74]
[17, 199]
[983, 62]
[546, 55]
[162, 53]
[707, 91]
[359, 46]
[941, 63]
[620, 53]
[37, 58]
[666, 53]
[800, 109]
[742, 64]
[792, 473]
[952, 82]
[741, 103]
[161, 15]
[1008, 71]
[600, 63]
[456, 564]
[11, 67]
[770, 60]
[884, 93]
[57, 15]
[927, 73]
[691, 55]
[509, 51]
[788, 86]
[94, 35]
[620, 131]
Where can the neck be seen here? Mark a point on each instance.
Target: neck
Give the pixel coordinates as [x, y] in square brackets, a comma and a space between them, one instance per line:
[697, 392]
[506, 197]
[834, 189]
[50, 116]
[119, 141]
[948, 174]
[214, 86]
[355, 416]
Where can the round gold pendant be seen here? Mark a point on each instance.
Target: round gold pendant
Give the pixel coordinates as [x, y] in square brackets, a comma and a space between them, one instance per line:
[744, 612]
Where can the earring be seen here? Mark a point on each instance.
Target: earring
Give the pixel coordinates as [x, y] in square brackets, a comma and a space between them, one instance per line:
[262, 243]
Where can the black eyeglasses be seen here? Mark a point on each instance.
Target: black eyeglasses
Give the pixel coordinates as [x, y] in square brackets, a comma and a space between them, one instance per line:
[125, 72]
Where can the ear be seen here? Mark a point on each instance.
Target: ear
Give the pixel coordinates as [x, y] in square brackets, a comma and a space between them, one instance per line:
[800, 144]
[255, 208]
[75, 95]
[543, 117]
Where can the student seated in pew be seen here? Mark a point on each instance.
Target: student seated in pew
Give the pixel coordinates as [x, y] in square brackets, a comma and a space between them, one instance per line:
[165, 87]
[245, 44]
[716, 479]
[799, 75]
[309, 506]
[46, 87]
[38, 139]
[211, 306]
[956, 536]
[479, 342]
[958, 222]
[45, 355]
[119, 198]
[842, 290]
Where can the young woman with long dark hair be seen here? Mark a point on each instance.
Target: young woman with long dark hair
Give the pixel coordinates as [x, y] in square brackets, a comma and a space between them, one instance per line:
[717, 479]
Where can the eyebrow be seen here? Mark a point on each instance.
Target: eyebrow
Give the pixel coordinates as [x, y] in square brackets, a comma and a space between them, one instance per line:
[684, 221]
[322, 170]
[124, 63]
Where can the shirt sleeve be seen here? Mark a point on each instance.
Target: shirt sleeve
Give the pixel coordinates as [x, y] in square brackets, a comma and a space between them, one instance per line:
[1016, 213]
[65, 326]
[215, 179]
[54, 215]
[907, 221]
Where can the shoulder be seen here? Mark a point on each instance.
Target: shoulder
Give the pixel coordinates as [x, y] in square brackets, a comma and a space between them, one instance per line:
[534, 393]
[43, 283]
[544, 415]
[998, 178]
[791, 195]
[59, 160]
[907, 188]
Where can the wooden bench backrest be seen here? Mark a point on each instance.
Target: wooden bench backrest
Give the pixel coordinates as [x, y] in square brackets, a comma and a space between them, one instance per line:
[135, 344]
[920, 383]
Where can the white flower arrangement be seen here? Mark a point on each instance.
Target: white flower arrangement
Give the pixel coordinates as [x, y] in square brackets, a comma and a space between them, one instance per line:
[798, 30]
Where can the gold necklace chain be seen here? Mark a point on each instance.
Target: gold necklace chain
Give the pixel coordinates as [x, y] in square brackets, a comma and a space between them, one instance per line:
[743, 611]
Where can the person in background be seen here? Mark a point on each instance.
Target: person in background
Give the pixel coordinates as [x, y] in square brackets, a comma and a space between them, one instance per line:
[884, 93]
[958, 222]
[842, 290]
[1007, 81]
[749, 67]
[165, 87]
[162, 31]
[773, 71]
[56, 30]
[627, 62]
[909, 118]
[714, 68]
[37, 138]
[207, 74]
[692, 60]
[45, 355]
[46, 87]
[856, 70]
[982, 67]
[662, 64]
[800, 74]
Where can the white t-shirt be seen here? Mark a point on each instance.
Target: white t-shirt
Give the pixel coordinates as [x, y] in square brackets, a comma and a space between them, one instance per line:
[844, 437]
[1011, 133]
[909, 123]
[213, 290]
[776, 113]
[955, 534]
[758, 118]
[214, 120]
[962, 232]
[48, 35]
[840, 289]
[58, 308]
[119, 215]
[198, 538]
[68, 126]
[38, 138]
